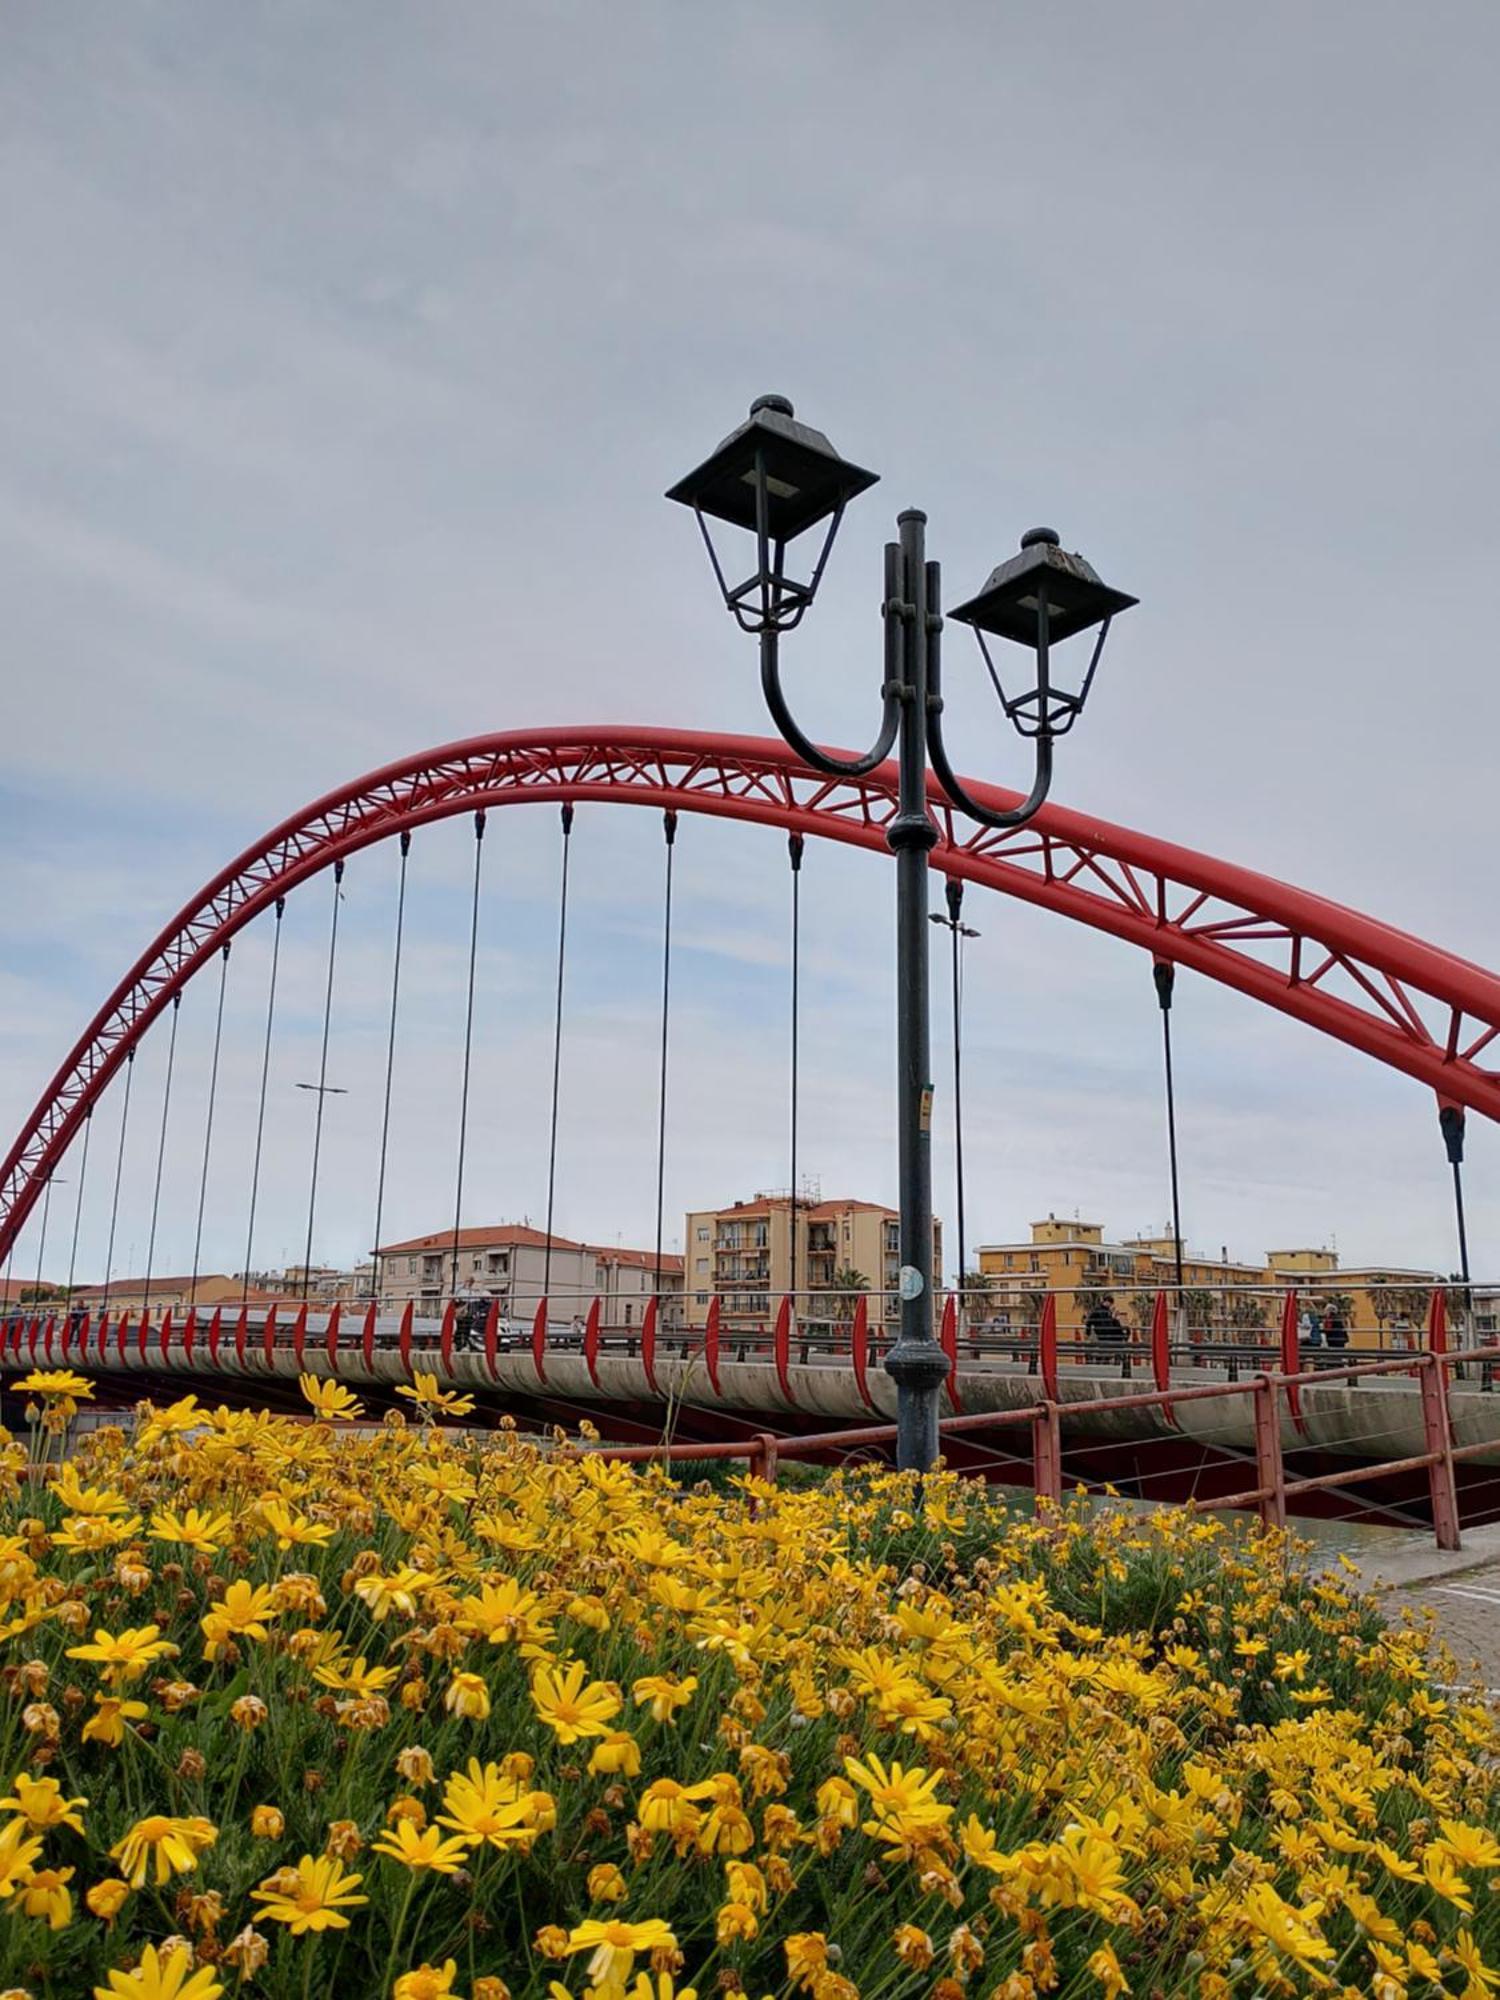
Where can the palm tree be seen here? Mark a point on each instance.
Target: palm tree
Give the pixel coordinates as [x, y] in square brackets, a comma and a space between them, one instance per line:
[845, 1288]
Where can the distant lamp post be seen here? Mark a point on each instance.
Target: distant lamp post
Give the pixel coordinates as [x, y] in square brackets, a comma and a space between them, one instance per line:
[320, 1091]
[960, 933]
[780, 481]
[1451, 1124]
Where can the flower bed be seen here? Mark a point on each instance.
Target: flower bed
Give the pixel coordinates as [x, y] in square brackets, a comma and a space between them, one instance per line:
[287, 1710]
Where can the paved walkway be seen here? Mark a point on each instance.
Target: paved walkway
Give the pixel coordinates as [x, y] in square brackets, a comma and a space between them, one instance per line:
[1461, 1588]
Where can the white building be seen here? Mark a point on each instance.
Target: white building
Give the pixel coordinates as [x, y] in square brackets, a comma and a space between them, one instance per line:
[509, 1261]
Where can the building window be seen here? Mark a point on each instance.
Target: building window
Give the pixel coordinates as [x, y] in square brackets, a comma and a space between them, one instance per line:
[629, 1311]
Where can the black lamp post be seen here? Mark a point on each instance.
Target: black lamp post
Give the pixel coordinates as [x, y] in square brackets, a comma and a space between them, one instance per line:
[779, 480]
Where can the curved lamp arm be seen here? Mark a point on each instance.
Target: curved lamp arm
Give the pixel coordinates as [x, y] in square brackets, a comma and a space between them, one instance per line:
[947, 777]
[806, 749]
[892, 691]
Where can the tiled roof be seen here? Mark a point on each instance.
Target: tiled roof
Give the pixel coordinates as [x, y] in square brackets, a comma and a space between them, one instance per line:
[638, 1260]
[131, 1285]
[498, 1235]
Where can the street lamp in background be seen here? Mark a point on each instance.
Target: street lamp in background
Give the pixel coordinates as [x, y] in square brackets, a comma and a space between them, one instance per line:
[320, 1091]
[960, 933]
[780, 480]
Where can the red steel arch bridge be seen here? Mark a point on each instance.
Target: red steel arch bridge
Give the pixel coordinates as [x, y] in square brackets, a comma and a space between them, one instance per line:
[1029, 1403]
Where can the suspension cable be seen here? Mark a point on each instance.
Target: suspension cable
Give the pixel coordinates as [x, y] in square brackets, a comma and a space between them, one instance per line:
[83, 1174]
[669, 833]
[208, 1126]
[114, 1206]
[260, 1117]
[390, 1067]
[161, 1150]
[557, 1022]
[794, 847]
[463, 1101]
[312, 1191]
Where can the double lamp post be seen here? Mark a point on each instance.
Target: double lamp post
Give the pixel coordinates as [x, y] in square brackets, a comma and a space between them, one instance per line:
[778, 479]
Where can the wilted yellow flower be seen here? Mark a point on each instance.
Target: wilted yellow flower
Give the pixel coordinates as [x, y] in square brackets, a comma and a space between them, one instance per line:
[468, 1695]
[42, 1803]
[107, 1898]
[172, 1846]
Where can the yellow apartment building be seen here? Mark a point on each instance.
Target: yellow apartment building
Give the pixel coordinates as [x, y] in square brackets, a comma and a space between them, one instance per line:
[1225, 1299]
[744, 1255]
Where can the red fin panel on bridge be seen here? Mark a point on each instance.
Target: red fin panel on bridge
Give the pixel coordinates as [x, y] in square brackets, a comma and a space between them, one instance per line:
[268, 1335]
[165, 1342]
[648, 1345]
[591, 1343]
[367, 1337]
[1161, 1352]
[445, 1338]
[1437, 1321]
[299, 1336]
[403, 1339]
[539, 1340]
[859, 1350]
[711, 1344]
[782, 1348]
[949, 1340]
[331, 1338]
[1047, 1347]
[491, 1336]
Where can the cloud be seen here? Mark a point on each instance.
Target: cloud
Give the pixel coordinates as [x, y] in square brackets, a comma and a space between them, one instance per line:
[344, 371]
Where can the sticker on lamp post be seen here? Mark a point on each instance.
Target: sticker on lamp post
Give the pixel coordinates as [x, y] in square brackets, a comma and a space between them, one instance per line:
[911, 1282]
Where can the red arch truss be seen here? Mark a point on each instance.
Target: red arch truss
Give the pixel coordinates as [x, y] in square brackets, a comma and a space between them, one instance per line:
[1380, 990]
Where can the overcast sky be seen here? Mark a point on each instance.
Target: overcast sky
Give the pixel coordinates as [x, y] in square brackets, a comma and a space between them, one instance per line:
[346, 354]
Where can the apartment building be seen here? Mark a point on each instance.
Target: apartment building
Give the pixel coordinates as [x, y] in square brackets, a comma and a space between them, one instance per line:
[509, 1261]
[745, 1255]
[1225, 1299]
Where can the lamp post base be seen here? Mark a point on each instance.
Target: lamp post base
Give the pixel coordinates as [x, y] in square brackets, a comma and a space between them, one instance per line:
[919, 1369]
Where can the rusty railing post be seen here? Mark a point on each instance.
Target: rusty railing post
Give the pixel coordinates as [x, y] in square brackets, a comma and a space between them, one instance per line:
[1270, 1476]
[1434, 1385]
[767, 1456]
[1046, 1454]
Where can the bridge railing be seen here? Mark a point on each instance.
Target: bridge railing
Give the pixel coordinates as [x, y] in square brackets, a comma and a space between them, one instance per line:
[1038, 1427]
[1130, 1330]
[1273, 1381]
